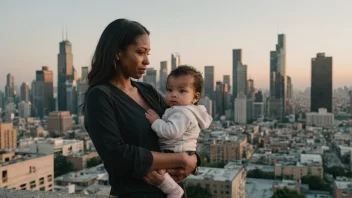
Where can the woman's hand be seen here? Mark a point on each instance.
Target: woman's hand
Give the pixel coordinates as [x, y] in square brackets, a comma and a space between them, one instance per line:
[155, 177]
[178, 174]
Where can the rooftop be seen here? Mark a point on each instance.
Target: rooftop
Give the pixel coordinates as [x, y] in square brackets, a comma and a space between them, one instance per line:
[15, 157]
[97, 172]
[217, 174]
[311, 159]
[259, 188]
[343, 183]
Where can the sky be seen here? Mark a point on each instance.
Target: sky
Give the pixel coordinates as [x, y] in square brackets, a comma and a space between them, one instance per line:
[203, 32]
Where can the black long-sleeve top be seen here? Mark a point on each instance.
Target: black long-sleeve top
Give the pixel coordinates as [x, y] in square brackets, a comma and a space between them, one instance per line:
[123, 137]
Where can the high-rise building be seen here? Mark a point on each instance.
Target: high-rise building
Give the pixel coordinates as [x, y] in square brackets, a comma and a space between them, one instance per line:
[72, 95]
[250, 88]
[8, 136]
[350, 93]
[43, 92]
[25, 92]
[2, 99]
[59, 122]
[321, 83]
[65, 72]
[278, 81]
[82, 88]
[24, 109]
[249, 106]
[258, 110]
[206, 101]
[241, 79]
[226, 80]
[222, 97]
[163, 76]
[10, 87]
[289, 88]
[259, 97]
[241, 109]
[209, 81]
[175, 60]
[150, 77]
[84, 76]
[236, 58]
[320, 119]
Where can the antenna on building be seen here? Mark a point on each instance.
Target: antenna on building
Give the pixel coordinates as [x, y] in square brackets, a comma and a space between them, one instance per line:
[63, 32]
[66, 33]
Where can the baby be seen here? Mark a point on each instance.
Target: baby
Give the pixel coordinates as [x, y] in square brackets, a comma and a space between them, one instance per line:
[181, 124]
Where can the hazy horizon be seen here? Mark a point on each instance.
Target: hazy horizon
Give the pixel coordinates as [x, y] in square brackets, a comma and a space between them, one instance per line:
[202, 32]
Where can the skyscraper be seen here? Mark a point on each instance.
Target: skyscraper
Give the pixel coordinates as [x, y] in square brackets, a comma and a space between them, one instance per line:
[10, 86]
[85, 71]
[250, 88]
[209, 81]
[321, 83]
[241, 108]
[226, 79]
[236, 58]
[65, 72]
[278, 84]
[163, 76]
[71, 96]
[43, 92]
[241, 79]
[25, 92]
[350, 93]
[221, 97]
[150, 77]
[175, 61]
[82, 87]
[289, 88]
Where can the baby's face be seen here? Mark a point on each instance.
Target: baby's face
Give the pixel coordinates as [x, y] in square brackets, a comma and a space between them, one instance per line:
[180, 91]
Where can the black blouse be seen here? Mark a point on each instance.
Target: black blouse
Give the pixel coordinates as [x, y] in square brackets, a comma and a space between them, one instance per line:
[123, 137]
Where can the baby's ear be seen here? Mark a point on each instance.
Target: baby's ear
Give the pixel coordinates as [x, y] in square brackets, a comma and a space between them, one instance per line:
[196, 97]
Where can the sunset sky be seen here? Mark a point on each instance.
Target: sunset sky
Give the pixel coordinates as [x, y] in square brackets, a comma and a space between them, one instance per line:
[202, 32]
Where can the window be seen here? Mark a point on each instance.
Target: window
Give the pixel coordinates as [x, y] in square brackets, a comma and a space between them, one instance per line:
[23, 186]
[42, 189]
[33, 184]
[4, 176]
[41, 181]
[50, 178]
[7, 159]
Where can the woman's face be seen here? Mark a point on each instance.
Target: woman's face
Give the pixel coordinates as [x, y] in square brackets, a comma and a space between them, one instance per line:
[133, 62]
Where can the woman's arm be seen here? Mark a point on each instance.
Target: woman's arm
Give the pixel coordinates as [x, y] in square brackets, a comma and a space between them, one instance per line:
[119, 158]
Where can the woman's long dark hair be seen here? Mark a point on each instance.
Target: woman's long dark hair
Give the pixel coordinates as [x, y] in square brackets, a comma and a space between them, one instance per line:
[118, 35]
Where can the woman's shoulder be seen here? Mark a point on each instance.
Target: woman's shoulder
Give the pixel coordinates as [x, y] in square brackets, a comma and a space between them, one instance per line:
[99, 91]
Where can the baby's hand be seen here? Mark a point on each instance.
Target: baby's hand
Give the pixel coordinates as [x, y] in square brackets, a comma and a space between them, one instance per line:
[151, 116]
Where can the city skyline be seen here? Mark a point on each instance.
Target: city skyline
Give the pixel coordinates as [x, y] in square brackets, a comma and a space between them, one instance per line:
[238, 25]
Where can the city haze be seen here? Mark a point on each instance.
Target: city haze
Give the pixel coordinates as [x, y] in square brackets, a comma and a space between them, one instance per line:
[202, 32]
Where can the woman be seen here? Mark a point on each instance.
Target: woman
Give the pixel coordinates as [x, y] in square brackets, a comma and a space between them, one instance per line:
[115, 119]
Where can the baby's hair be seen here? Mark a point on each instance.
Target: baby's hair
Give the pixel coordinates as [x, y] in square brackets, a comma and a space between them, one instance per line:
[184, 70]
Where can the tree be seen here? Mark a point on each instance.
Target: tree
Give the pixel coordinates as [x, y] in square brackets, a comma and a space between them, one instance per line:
[259, 174]
[196, 191]
[315, 183]
[336, 171]
[62, 166]
[95, 161]
[287, 193]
